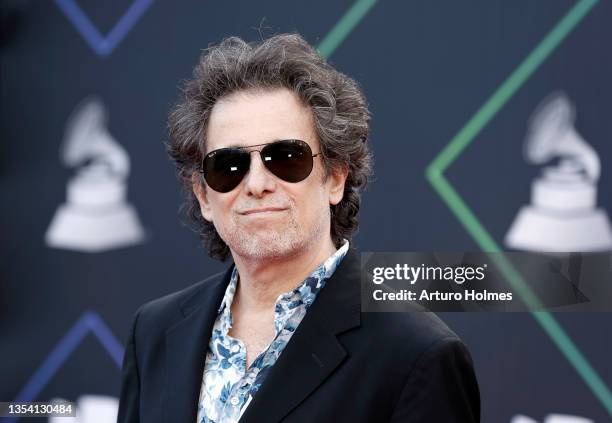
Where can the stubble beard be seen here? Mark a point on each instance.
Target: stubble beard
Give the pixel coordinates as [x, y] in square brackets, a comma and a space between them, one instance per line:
[278, 242]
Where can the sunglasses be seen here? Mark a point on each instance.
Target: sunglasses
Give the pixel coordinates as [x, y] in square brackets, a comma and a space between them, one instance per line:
[289, 160]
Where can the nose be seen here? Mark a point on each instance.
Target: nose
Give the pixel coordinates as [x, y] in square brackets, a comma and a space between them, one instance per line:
[258, 180]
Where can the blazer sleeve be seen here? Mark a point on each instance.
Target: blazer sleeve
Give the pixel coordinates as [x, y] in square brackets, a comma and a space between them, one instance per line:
[441, 387]
[129, 400]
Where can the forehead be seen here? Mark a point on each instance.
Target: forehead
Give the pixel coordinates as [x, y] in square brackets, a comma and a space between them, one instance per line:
[256, 117]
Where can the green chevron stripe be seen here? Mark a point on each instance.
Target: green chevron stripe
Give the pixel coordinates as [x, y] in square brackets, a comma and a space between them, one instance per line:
[344, 27]
[467, 134]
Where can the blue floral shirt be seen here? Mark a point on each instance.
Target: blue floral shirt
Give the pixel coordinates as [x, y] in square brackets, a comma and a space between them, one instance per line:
[227, 385]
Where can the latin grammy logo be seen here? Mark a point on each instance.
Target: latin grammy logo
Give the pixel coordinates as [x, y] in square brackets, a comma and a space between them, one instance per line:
[562, 216]
[96, 216]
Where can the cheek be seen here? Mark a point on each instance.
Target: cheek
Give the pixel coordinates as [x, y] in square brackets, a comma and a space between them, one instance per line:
[312, 204]
[221, 210]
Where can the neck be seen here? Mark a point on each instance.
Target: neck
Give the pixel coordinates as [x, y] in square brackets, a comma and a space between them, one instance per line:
[263, 280]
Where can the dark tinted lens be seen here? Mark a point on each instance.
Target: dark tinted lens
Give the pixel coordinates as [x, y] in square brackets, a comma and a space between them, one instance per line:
[290, 160]
[225, 168]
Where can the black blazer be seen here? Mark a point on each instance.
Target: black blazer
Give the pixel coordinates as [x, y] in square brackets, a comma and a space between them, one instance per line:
[340, 365]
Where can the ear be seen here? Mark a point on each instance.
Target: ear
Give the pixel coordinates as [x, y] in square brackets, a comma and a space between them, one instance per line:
[199, 189]
[336, 187]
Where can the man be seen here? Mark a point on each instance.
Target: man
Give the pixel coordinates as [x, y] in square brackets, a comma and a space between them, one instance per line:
[270, 143]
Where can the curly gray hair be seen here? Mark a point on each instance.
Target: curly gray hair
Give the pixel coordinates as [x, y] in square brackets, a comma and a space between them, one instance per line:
[339, 108]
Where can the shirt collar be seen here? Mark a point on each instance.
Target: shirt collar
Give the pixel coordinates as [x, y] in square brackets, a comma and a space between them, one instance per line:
[306, 291]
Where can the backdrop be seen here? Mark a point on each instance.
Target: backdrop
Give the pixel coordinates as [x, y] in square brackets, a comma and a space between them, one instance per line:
[86, 86]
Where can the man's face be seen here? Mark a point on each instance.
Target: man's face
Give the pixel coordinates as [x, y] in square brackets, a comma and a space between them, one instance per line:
[303, 219]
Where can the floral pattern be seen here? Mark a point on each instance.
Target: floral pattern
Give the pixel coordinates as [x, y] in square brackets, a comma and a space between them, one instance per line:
[227, 385]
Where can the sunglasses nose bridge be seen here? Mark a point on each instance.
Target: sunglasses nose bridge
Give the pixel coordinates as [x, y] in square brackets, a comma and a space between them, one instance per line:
[258, 178]
[259, 156]
[251, 159]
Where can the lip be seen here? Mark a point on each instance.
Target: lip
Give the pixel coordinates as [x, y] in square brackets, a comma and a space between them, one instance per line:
[262, 210]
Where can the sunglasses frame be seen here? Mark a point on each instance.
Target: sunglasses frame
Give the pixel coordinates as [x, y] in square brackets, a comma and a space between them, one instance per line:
[247, 147]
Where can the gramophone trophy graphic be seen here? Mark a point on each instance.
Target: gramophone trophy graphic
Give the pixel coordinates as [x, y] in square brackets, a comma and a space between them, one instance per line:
[90, 409]
[96, 216]
[563, 216]
[552, 418]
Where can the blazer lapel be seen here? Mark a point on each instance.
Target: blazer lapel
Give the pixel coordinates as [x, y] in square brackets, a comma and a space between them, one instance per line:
[186, 344]
[313, 351]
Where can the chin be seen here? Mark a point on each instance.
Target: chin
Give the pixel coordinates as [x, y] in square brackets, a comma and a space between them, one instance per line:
[265, 252]
[267, 245]
[274, 241]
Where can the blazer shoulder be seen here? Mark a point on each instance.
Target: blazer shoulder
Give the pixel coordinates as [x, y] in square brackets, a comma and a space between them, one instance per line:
[414, 331]
[402, 330]
[163, 312]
